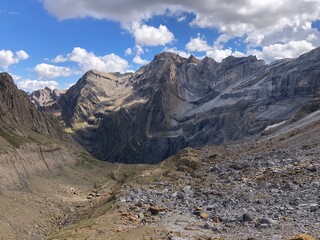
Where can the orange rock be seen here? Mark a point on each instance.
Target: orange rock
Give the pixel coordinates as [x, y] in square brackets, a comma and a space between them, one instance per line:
[155, 209]
[204, 215]
[302, 237]
[125, 214]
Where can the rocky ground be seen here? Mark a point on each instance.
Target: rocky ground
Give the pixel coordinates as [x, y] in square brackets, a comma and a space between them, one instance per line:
[244, 198]
[268, 188]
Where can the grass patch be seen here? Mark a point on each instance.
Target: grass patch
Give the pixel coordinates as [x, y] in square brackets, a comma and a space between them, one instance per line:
[69, 130]
[89, 162]
[14, 140]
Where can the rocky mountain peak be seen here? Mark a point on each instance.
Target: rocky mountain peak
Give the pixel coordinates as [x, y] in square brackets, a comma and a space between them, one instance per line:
[47, 100]
[175, 102]
[193, 59]
[232, 60]
[93, 95]
[168, 56]
[6, 81]
[18, 112]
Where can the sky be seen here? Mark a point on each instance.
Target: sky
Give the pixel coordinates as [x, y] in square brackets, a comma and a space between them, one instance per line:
[52, 43]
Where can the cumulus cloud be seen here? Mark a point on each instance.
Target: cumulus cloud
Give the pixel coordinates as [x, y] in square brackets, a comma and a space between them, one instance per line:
[15, 77]
[138, 51]
[30, 85]
[291, 49]
[88, 60]
[45, 70]
[8, 58]
[215, 51]
[234, 18]
[198, 44]
[219, 54]
[138, 60]
[151, 36]
[122, 10]
[176, 51]
[22, 55]
[261, 24]
[128, 51]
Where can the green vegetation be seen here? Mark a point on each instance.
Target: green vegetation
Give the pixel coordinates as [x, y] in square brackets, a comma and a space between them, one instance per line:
[15, 140]
[88, 161]
[69, 130]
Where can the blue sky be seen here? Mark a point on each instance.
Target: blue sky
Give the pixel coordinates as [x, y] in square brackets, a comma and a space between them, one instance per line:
[54, 42]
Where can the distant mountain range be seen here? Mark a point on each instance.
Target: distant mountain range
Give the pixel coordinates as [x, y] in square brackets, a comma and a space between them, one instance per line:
[175, 102]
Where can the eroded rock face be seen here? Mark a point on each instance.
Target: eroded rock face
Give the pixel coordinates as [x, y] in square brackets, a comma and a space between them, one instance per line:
[175, 102]
[92, 96]
[48, 100]
[31, 142]
[16, 110]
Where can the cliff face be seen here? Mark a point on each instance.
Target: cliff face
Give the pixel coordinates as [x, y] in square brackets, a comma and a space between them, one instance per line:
[48, 100]
[31, 142]
[88, 99]
[175, 102]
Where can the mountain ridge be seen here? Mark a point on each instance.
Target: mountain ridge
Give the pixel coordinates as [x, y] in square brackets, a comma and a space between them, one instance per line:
[175, 102]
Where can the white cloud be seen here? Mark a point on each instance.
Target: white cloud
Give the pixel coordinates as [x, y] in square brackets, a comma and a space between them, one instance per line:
[151, 36]
[138, 60]
[198, 44]
[44, 70]
[312, 37]
[219, 54]
[122, 10]
[88, 60]
[8, 58]
[139, 50]
[176, 51]
[291, 49]
[231, 17]
[59, 59]
[15, 77]
[128, 51]
[181, 18]
[216, 51]
[22, 55]
[29, 85]
[262, 23]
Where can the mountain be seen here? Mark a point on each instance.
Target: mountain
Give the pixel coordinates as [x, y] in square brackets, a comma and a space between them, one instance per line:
[31, 142]
[177, 102]
[47, 100]
[93, 95]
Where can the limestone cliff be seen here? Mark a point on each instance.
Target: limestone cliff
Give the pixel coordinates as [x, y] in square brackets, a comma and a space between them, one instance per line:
[175, 102]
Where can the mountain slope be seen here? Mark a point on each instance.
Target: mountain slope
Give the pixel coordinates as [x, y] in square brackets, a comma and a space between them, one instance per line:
[267, 188]
[175, 102]
[32, 142]
[83, 102]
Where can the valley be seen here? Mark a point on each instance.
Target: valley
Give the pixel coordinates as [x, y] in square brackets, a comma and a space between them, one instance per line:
[181, 149]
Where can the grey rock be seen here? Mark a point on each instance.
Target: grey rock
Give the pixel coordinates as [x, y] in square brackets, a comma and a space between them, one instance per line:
[246, 217]
[33, 143]
[175, 102]
[266, 221]
[48, 100]
[207, 225]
